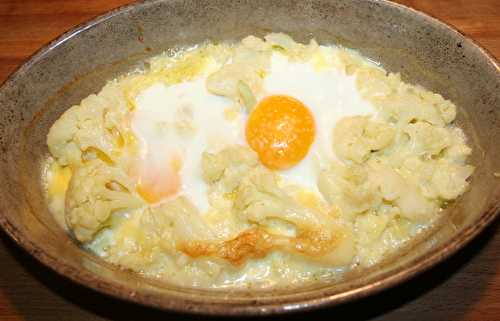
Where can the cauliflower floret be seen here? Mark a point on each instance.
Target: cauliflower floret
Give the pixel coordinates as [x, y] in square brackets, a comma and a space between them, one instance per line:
[96, 191]
[281, 40]
[397, 101]
[258, 198]
[241, 78]
[223, 172]
[174, 67]
[127, 243]
[93, 129]
[403, 192]
[426, 139]
[181, 216]
[450, 180]
[418, 171]
[368, 228]
[414, 206]
[374, 82]
[349, 188]
[254, 43]
[354, 138]
[439, 178]
[389, 181]
[215, 165]
[403, 103]
[294, 50]
[377, 236]
[458, 151]
[446, 108]
[350, 62]
[404, 108]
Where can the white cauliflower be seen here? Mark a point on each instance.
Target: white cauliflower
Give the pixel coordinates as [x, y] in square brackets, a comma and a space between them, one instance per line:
[354, 138]
[397, 101]
[426, 139]
[93, 129]
[240, 79]
[182, 218]
[437, 179]
[288, 46]
[458, 151]
[350, 62]
[374, 82]
[379, 235]
[350, 188]
[254, 43]
[446, 108]
[415, 206]
[404, 108]
[369, 227]
[257, 199]
[450, 180]
[402, 192]
[96, 191]
[389, 181]
[223, 163]
[357, 189]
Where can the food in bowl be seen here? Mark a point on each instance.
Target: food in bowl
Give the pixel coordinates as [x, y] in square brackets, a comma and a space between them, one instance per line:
[263, 163]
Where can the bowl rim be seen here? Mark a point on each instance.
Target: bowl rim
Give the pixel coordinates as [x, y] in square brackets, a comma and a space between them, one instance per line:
[92, 281]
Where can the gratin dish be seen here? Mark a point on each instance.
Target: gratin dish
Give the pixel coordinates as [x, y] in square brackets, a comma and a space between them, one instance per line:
[422, 49]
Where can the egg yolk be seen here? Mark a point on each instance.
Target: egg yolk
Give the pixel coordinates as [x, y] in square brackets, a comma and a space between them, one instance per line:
[281, 130]
[155, 184]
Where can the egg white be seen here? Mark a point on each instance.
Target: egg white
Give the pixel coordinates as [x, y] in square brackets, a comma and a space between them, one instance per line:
[329, 94]
[160, 109]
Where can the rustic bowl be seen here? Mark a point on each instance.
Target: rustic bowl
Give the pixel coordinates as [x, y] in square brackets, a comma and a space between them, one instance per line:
[422, 49]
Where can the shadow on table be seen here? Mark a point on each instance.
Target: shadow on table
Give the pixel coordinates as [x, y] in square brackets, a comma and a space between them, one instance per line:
[106, 307]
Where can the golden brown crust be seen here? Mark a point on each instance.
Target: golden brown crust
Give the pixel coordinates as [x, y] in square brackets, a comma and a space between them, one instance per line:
[257, 243]
[253, 243]
[315, 243]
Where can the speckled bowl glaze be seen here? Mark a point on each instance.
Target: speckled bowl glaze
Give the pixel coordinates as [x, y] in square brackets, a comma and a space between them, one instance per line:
[422, 49]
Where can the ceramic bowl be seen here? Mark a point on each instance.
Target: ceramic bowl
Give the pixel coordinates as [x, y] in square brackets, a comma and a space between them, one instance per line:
[424, 50]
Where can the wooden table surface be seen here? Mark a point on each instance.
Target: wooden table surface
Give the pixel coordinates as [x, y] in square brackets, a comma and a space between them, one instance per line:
[465, 287]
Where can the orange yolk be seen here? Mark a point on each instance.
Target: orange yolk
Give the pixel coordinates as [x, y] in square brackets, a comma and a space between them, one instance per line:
[281, 130]
[154, 184]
